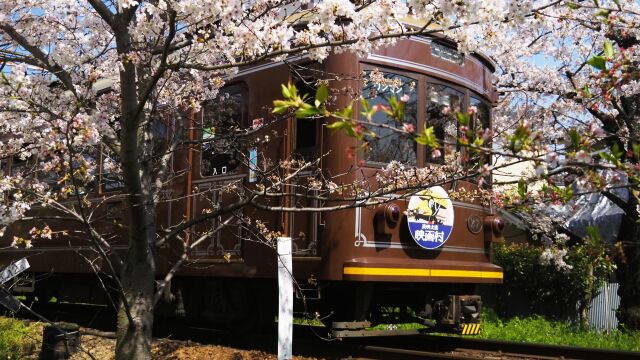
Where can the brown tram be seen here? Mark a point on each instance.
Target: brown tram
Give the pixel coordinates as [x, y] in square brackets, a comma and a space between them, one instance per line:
[351, 263]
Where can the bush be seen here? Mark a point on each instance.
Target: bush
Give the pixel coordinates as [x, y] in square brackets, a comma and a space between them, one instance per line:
[554, 286]
[18, 340]
[530, 287]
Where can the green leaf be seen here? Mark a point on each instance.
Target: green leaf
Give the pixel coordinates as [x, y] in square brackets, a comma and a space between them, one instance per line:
[520, 139]
[348, 111]
[608, 49]
[322, 93]
[285, 92]
[593, 233]
[636, 150]
[575, 138]
[463, 118]
[616, 151]
[565, 194]
[608, 157]
[337, 125]
[598, 62]
[572, 5]
[393, 105]
[522, 188]
[428, 138]
[343, 114]
[280, 106]
[614, 156]
[604, 14]
[617, 2]
[350, 130]
[279, 110]
[365, 105]
[306, 111]
[398, 112]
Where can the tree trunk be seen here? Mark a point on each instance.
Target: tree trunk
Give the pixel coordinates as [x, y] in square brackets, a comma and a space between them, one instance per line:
[628, 272]
[138, 271]
[135, 313]
[137, 277]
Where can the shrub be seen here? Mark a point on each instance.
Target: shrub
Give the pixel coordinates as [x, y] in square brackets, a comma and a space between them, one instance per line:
[530, 287]
[18, 340]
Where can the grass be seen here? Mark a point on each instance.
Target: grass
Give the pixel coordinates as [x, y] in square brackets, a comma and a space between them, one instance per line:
[536, 329]
[306, 322]
[18, 340]
[402, 326]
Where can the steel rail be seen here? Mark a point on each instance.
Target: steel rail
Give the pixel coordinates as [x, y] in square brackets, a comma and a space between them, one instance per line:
[455, 344]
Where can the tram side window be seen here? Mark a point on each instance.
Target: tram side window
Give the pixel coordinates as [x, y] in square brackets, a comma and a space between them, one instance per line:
[159, 133]
[222, 118]
[378, 89]
[52, 178]
[481, 121]
[82, 169]
[111, 175]
[306, 129]
[441, 103]
[20, 164]
[482, 116]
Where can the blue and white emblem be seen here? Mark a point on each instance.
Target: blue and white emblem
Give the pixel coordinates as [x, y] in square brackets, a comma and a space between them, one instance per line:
[430, 217]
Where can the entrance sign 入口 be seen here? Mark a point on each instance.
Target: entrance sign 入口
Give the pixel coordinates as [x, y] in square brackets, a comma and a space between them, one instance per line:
[430, 217]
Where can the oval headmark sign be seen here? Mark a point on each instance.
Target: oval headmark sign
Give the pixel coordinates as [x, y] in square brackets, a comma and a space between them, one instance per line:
[430, 217]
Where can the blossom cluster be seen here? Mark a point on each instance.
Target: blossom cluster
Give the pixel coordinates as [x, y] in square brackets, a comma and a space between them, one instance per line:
[555, 257]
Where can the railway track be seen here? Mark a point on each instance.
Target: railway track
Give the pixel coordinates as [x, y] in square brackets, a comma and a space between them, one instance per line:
[307, 343]
[449, 347]
[310, 342]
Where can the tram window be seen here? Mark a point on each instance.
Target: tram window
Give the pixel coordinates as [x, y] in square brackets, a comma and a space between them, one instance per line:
[306, 129]
[441, 103]
[19, 164]
[378, 89]
[51, 178]
[84, 171]
[482, 117]
[482, 120]
[110, 168]
[159, 136]
[222, 118]
[86, 179]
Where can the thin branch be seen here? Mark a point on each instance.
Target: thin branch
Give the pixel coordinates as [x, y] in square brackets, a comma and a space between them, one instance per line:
[44, 59]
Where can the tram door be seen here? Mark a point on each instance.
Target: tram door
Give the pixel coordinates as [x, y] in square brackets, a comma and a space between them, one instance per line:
[305, 144]
[218, 175]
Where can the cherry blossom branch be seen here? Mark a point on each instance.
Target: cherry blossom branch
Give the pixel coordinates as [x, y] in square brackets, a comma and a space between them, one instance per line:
[38, 54]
